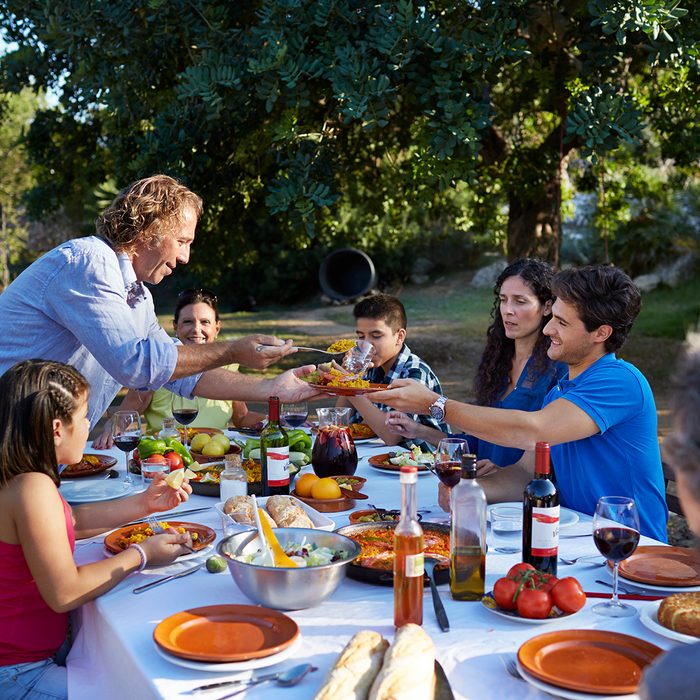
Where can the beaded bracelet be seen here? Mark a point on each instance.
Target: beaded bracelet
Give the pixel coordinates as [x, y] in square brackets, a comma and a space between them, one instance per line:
[142, 554]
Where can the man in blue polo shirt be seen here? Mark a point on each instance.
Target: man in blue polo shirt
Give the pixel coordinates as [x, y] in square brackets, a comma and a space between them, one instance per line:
[600, 420]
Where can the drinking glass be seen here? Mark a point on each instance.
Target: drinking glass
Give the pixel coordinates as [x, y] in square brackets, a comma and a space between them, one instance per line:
[185, 411]
[294, 414]
[359, 357]
[507, 528]
[448, 460]
[616, 535]
[126, 433]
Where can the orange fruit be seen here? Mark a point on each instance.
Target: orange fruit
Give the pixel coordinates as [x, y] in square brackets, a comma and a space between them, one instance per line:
[304, 484]
[325, 489]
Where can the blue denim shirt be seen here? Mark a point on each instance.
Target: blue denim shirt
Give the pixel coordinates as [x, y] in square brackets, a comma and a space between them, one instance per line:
[81, 304]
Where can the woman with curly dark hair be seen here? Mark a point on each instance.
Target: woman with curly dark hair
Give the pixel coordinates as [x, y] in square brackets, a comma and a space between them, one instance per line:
[514, 371]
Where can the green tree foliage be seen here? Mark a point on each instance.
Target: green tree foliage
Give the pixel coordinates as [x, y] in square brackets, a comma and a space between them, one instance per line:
[307, 123]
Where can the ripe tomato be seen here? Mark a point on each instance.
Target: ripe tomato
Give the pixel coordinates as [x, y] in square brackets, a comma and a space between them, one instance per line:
[534, 604]
[568, 595]
[517, 568]
[174, 460]
[547, 582]
[504, 593]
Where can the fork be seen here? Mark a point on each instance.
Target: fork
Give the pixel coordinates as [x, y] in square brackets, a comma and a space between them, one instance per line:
[153, 523]
[508, 661]
[563, 560]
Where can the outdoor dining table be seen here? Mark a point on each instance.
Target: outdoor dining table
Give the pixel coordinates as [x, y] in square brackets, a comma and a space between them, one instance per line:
[114, 655]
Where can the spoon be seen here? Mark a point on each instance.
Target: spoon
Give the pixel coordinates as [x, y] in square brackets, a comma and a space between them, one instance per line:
[440, 613]
[264, 557]
[286, 679]
[279, 556]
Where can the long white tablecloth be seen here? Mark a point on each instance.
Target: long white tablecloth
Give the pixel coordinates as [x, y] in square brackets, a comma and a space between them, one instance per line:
[114, 656]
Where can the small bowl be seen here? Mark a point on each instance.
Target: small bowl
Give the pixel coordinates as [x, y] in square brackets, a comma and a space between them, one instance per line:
[282, 588]
[203, 459]
[354, 483]
[327, 505]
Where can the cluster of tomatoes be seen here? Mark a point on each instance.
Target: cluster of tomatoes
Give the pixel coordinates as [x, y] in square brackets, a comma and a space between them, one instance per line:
[534, 593]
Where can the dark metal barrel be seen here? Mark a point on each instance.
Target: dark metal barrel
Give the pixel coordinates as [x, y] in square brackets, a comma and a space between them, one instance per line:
[347, 273]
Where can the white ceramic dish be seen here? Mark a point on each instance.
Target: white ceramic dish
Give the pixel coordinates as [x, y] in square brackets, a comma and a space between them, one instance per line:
[93, 491]
[320, 521]
[490, 604]
[648, 616]
[566, 517]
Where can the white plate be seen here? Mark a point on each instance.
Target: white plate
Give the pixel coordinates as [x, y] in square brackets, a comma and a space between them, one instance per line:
[565, 692]
[514, 617]
[320, 521]
[233, 667]
[648, 616]
[566, 517]
[92, 491]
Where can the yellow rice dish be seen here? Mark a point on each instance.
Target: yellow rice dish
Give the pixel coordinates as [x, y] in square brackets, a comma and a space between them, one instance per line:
[143, 532]
[342, 345]
[340, 379]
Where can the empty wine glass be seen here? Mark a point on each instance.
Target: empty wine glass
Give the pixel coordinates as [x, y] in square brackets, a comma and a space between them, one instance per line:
[185, 410]
[126, 433]
[294, 414]
[616, 535]
[448, 460]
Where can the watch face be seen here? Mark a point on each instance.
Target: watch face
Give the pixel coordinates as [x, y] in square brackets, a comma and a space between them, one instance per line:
[437, 410]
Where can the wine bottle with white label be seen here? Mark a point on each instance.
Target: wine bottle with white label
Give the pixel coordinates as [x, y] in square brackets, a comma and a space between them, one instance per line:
[541, 515]
[274, 453]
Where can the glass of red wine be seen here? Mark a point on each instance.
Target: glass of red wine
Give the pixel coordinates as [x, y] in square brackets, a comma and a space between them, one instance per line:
[616, 534]
[185, 410]
[126, 433]
[295, 414]
[448, 460]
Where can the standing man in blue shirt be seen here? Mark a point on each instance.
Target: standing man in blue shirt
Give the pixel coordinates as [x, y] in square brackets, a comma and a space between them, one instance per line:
[84, 303]
[600, 420]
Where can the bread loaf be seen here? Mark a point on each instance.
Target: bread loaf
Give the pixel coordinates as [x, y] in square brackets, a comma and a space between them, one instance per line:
[681, 613]
[240, 508]
[355, 669]
[408, 671]
[286, 513]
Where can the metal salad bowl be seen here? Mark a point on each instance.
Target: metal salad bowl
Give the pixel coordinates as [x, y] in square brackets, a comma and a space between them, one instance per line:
[286, 588]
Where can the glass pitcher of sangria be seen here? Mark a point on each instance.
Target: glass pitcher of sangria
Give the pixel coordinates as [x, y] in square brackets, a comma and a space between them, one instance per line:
[334, 451]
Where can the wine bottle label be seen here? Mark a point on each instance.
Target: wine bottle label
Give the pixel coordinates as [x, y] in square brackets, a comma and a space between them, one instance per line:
[545, 532]
[278, 466]
[414, 565]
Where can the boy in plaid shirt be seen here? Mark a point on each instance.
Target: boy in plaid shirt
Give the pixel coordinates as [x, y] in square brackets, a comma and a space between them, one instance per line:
[381, 320]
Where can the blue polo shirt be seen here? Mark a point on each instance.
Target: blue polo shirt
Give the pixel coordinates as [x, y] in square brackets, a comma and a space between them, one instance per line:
[623, 459]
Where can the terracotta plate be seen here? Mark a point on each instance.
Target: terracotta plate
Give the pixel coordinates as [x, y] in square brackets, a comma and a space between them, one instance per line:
[327, 505]
[662, 566]
[191, 432]
[206, 535]
[226, 633]
[105, 462]
[381, 461]
[348, 390]
[489, 602]
[592, 661]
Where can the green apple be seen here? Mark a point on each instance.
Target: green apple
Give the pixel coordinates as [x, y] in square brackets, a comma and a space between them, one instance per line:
[198, 442]
[214, 448]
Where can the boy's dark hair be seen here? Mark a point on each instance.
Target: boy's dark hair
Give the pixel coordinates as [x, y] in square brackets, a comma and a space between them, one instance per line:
[602, 295]
[382, 307]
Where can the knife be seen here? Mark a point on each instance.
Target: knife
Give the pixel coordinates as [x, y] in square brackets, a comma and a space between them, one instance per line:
[165, 579]
[166, 516]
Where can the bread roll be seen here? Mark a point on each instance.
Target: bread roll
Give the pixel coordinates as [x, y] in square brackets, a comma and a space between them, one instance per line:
[681, 613]
[408, 672]
[286, 513]
[240, 508]
[355, 669]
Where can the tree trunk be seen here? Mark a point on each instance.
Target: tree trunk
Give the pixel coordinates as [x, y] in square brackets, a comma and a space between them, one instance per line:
[534, 223]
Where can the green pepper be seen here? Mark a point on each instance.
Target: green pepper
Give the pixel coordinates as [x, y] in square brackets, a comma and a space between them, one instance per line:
[250, 444]
[299, 439]
[174, 445]
[150, 446]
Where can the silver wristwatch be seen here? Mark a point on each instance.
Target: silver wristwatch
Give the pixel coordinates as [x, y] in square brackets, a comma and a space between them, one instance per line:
[437, 409]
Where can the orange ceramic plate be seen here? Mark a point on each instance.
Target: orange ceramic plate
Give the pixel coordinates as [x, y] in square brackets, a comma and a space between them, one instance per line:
[662, 566]
[590, 661]
[327, 505]
[206, 534]
[348, 390]
[105, 462]
[381, 461]
[226, 633]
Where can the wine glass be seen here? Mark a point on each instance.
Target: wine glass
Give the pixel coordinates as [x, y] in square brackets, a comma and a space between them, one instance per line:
[294, 414]
[616, 535]
[448, 460]
[126, 433]
[185, 410]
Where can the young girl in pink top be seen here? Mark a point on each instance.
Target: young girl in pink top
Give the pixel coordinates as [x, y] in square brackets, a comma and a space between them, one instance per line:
[43, 423]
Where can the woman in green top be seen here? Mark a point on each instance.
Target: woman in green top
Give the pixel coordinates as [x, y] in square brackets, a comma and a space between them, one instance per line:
[196, 321]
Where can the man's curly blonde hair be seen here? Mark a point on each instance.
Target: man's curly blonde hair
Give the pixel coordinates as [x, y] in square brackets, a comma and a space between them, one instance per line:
[145, 211]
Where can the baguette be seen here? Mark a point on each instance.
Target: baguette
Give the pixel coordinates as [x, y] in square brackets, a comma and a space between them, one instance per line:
[408, 672]
[355, 669]
[286, 513]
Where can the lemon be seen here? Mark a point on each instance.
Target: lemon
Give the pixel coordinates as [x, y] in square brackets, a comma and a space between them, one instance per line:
[216, 564]
[176, 477]
[213, 449]
[198, 442]
[223, 440]
[325, 489]
[304, 484]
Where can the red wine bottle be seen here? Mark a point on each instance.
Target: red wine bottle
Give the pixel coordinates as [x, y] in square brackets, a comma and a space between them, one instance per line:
[541, 515]
[274, 453]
